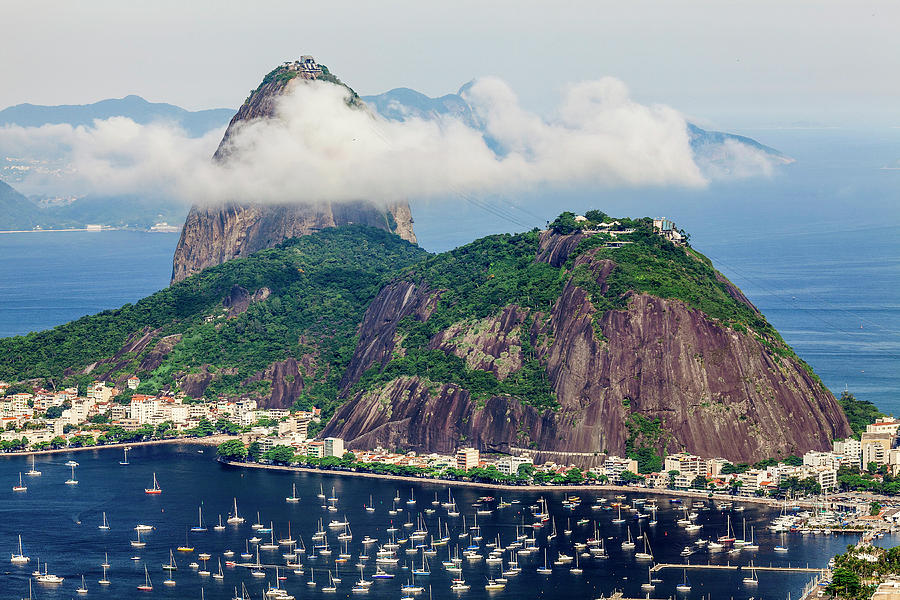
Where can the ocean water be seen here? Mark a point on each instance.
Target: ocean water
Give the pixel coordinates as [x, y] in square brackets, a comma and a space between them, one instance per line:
[816, 246]
[50, 278]
[59, 524]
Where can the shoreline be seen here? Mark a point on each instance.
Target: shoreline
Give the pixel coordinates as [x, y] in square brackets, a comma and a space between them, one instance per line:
[521, 488]
[213, 440]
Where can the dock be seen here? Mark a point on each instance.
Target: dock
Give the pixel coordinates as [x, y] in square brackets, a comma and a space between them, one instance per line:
[729, 567]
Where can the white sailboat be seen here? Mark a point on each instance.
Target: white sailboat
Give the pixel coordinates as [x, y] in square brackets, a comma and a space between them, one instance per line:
[647, 554]
[293, 498]
[21, 487]
[545, 570]
[330, 588]
[138, 543]
[171, 565]
[684, 586]
[628, 544]
[83, 589]
[124, 461]
[104, 580]
[72, 480]
[219, 527]
[752, 579]
[33, 472]
[104, 525]
[19, 557]
[235, 518]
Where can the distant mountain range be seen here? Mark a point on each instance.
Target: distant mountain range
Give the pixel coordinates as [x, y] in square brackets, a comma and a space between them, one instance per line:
[195, 123]
[403, 103]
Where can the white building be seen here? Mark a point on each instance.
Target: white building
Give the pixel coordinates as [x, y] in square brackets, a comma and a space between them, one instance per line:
[686, 464]
[509, 465]
[614, 466]
[334, 447]
[850, 447]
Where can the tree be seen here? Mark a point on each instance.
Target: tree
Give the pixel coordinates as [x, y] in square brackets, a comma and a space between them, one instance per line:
[253, 451]
[627, 477]
[844, 584]
[58, 442]
[874, 508]
[525, 471]
[283, 455]
[54, 412]
[565, 223]
[232, 450]
[699, 482]
[595, 216]
[574, 476]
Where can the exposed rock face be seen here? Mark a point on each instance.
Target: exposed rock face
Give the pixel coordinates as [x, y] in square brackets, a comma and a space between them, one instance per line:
[213, 234]
[716, 391]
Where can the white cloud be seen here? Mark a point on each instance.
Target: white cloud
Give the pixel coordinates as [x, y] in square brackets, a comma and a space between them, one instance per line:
[318, 148]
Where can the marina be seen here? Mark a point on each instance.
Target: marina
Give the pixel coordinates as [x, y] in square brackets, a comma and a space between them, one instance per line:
[388, 537]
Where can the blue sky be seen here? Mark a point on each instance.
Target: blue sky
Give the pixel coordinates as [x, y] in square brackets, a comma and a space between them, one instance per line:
[727, 63]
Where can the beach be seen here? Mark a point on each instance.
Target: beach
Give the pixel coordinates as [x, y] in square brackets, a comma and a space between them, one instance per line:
[527, 488]
[213, 440]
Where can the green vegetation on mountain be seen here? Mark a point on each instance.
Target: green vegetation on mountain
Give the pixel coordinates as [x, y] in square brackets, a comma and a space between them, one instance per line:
[306, 298]
[859, 412]
[476, 281]
[319, 286]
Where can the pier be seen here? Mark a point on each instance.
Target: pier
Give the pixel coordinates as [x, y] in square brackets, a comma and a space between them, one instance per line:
[729, 567]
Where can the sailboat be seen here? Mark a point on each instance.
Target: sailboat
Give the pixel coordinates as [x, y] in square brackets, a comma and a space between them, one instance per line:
[545, 570]
[618, 520]
[293, 498]
[169, 580]
[199, 527]
[647, 554]
[628, 544]
[21, 487]
[321, 493]
[330, 587]
[234, 518]
[219, 575]
[33, 472]
[728, 538]
[186, 547]
[782, 547]
[72, 480]
[124, 461]
[370, 507]
[752, 579]
[258, 524]
[576, 570]
[751, 545]
[219, 527]
[147, 585]
[172, 565]
[104, 580]
[105, 524]
[684, 586]
[105, 562]
[138, 543]
[155, 489]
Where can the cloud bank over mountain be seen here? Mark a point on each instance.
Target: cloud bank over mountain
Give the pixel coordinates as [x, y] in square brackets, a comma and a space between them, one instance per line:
[320, 148]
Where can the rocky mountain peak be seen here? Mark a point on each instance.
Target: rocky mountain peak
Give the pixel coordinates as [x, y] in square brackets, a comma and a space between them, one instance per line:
[213, 234]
